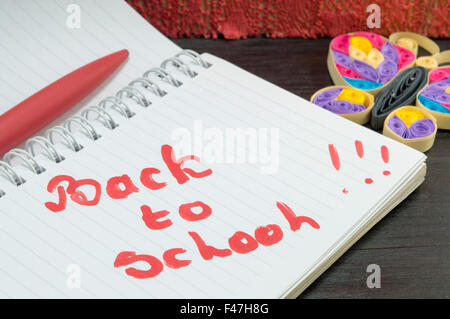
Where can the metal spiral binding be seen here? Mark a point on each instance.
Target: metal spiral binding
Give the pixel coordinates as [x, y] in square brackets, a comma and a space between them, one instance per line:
[83, 121]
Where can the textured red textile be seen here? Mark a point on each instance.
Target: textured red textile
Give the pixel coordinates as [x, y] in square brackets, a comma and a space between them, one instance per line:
[236, 19]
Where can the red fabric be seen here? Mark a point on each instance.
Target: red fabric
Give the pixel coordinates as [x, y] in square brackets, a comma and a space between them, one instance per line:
[236, 19]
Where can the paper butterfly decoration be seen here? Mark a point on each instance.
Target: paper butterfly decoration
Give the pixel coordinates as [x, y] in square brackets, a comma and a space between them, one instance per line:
[366, 60]
[436, 96]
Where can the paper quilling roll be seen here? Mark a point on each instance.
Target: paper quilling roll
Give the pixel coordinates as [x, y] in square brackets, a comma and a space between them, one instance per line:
[412, 41]
[411, 126]
[353, 104]
[368, 61]
[435, 96]
[402, 90]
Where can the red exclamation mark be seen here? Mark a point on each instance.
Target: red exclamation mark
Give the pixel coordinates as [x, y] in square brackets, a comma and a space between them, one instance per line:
[360, 152]
[334, 156]
[335, 160]
[385, 157]
[359, 148]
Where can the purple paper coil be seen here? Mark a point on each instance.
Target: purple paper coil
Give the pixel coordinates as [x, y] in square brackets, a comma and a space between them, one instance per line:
[440, 85]
[326, 96]
[421, 128]
[398, 127]
[389, 52]
[431, 92]
[342, 59]
[365, 70]
[387, 70]
[343, 107]
[436, 94]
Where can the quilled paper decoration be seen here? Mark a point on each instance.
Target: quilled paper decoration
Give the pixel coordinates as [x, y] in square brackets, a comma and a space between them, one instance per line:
[350, 103]
[402, 90]
[369, 62]
[412, 41]
[412, 126]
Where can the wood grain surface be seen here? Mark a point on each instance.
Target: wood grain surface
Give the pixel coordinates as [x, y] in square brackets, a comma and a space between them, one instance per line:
[412, 244]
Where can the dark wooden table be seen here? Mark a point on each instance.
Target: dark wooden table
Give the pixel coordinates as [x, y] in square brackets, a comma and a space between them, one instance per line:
[412, 244]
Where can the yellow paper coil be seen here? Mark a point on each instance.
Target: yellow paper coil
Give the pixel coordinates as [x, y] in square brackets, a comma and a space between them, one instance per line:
[375, 57]
[428, 62]
[361, 43]
[357, 54]
[408, 43]
[352, 95]
[409, 115]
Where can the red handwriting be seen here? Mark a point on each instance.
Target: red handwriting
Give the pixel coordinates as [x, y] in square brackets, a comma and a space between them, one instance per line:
[120, 187]
[76, 195]
[334, 156]
[335, 160]
[176, 166]
[148, 181]
[126, 258]
[155, 221]
[240, 242]
[187, 213]
[171, 261]
[151, 219]
[114, 190]
[88, 192]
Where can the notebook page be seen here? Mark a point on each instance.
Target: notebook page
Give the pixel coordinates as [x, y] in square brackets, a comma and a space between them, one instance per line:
[39, 45]
[86, 240]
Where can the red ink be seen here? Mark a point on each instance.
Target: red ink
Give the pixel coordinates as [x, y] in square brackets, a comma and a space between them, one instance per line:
[114, 190]
[335, 160]
[171, 261]
[334, 156]
[237, 245]
[268, 235]
[359, 148]
[76, 195]
[385, 153]
[186, 212]
[207, 251]
[61, 205]
[295, 221]
[148, 181]
[126, 258]
[79, 197]
[151, 218]
[240, 242]
[385, 157]
[175, 166]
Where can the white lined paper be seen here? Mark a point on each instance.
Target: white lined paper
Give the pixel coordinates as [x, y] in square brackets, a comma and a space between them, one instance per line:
[241, 198]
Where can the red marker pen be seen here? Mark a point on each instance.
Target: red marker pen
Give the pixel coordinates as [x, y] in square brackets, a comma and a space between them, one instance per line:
[32, 114]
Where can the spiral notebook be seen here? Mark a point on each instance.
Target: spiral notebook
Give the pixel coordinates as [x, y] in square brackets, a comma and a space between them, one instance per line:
[217, 184]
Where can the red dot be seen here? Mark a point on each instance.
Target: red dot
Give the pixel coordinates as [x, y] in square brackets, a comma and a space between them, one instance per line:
[368, 181]
[386, 173]
[345, 191]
